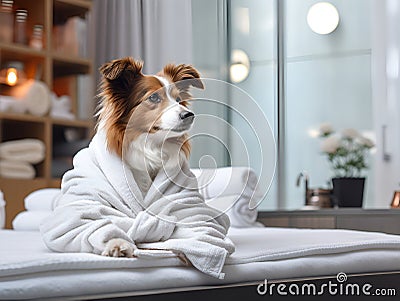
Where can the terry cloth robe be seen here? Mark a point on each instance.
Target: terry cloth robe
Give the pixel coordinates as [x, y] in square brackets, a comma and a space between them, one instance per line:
[100, 200]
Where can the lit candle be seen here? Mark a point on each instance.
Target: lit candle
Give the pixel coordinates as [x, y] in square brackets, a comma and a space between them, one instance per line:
[11, 77]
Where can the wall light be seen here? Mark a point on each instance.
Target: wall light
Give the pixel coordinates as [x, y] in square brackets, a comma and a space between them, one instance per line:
[240, 66]
[323, 18]
[12, 73]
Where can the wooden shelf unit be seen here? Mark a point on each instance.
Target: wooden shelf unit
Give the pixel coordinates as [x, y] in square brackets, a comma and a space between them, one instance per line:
[58, 71]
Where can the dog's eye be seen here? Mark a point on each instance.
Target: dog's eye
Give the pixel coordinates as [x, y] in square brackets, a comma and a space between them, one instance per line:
[155, 98]
[178, 99]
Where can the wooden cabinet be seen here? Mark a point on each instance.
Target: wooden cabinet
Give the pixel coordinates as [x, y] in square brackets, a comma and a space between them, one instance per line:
[375, 220]
[59, 70]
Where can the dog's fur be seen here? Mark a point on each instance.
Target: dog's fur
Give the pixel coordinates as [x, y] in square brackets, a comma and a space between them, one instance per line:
[146, 120]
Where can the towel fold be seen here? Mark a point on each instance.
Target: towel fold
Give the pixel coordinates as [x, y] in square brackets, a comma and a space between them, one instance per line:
[23, 150]
[29, 220]
[100, 201]
[16, 170]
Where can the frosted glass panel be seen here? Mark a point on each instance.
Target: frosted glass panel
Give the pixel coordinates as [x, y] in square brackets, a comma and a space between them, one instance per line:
[210, 39]
[328, 80]
[253, 30]
[334, 90]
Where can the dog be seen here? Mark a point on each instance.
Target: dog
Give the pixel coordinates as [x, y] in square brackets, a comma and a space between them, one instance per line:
[146, 120]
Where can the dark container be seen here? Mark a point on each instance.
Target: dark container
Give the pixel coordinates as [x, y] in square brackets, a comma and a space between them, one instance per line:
[348, 192]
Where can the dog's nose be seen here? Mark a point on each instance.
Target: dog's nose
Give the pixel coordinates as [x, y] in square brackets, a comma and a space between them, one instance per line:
[186, 116]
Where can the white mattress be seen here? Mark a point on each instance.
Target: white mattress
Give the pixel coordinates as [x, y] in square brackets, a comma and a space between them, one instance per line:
[28, 270]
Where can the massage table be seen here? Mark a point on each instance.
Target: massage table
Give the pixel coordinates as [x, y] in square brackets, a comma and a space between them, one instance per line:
[28, 270]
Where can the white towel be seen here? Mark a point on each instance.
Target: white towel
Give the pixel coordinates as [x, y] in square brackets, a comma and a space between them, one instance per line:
[34, 96]
[227, 181]
[42, 199]
[61, 107]
[16, 170]
[29, 220]
[237, 209]
[101, 201]
[231, 189]
[2, 211]
[11, 104]
[23, 150]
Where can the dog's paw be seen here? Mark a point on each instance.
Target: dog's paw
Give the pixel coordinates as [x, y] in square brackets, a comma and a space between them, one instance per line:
[119, 247]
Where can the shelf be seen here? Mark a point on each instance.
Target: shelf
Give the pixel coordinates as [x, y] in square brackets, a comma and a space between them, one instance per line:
[68, 59]
[55, 183]
[72, 123]
[33, 60]
[64, 65]
[36, 179]
[61, 72]
[21, 117]
[21, 50]
[51, 120]
[64, 9]
[13, 51]
[84, 4]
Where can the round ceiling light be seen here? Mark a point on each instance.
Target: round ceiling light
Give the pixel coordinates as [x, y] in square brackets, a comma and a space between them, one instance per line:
[323, 18]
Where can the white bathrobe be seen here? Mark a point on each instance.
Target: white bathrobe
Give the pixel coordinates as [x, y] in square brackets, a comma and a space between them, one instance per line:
[100, 201]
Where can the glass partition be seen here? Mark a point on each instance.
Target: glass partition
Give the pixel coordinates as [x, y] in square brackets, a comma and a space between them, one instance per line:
[348, 78]
[328, 80]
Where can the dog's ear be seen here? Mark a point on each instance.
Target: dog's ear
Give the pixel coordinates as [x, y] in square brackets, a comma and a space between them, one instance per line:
[114, 69]
[184, 76]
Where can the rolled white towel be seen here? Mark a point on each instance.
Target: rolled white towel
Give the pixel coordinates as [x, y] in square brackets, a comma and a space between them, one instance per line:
[11, 104]
[23, 150]
[237, 208]
[227, 181]
[42, 199]
[29, 220]
[35, 96]
[16, 170]
[61, 107]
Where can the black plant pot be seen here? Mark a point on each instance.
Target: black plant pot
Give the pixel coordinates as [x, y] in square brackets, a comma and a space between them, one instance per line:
[348, 192]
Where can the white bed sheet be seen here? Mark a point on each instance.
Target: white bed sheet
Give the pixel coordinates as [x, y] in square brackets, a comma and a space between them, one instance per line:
[28, 270]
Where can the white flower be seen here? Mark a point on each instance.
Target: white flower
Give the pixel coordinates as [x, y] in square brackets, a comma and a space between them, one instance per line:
[366, 142]
[350, 134]
[330, 144]
[325, 129]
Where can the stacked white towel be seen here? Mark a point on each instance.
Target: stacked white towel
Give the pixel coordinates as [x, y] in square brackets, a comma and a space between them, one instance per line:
[38, 205]
[230, 189]
[18, 156]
